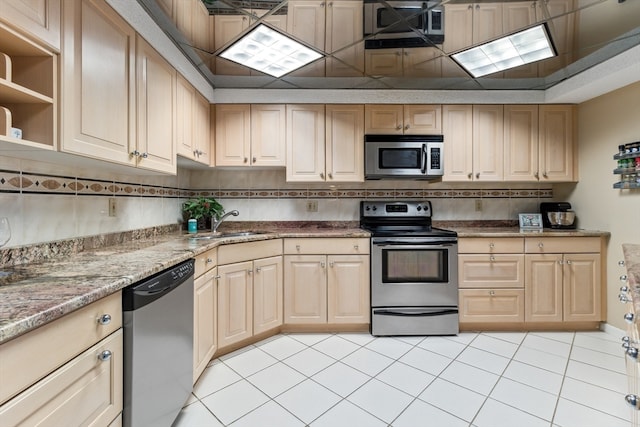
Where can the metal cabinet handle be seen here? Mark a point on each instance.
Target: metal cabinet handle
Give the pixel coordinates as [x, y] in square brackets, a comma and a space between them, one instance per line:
[628, 317]
[492, 293]
[322, 265]
[322, 175]
[560, 262]
[258, 269]
[216, 277]
[544, 174]
[398, 127]
[537, 175]
[623, 278]
[569, 261]
[322, 4]
[246, 159]
[249, 272]
[469, 175]
[491, 245]
[330, 175]
[632, 400]
[104, 356]
[254, 159]
[105, 319]
[135, 153]
[632, 352]
[356, 247]
[144, 155]
[623, 298]
[298, 248]
[407, 127]
[331, 264]
[540, 245]
[624, 289]
[477, 174]
[208, 260]
[492, 258]
[621, 263]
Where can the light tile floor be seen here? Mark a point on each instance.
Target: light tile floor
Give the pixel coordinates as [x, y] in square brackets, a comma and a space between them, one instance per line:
[510, 379]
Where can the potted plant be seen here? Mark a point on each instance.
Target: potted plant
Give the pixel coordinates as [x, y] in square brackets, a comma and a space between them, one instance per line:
[202, 209]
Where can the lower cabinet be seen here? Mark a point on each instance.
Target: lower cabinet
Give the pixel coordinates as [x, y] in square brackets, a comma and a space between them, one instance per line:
[326, 288]
[530, 280]
[76, 384]
[205, 300]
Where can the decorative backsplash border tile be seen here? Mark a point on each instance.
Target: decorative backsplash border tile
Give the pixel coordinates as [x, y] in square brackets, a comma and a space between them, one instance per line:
[32, 183]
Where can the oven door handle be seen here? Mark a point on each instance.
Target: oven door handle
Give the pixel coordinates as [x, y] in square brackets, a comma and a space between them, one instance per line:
[423, 169]
[416, 244]
[415, 312]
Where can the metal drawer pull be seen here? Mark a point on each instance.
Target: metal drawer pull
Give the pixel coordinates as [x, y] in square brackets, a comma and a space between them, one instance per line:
[492, 293]
[624, 289]
[623, 278]
[492, 258]
[491, 245]
[104, 356]
[632, 400]
[105, 319]
[356, 247]
[623, 298]
[540, 245]
[298, 248]
[628, 317]
[621, 263]
[209, 260]
[632, 352]
[258, 269]
[249, 272]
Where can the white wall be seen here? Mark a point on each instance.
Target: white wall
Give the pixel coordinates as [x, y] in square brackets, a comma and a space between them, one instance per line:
[604, 123]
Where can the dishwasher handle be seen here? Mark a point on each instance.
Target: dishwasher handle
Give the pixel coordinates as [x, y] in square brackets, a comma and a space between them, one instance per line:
[143, 293]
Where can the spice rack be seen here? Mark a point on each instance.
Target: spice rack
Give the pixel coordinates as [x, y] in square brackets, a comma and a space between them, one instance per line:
[628, 159]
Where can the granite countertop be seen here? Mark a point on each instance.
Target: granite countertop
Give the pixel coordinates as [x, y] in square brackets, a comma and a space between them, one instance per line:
[632, 263]
[34, 294]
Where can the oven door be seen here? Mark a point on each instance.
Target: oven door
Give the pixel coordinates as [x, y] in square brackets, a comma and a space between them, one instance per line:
[416, 271]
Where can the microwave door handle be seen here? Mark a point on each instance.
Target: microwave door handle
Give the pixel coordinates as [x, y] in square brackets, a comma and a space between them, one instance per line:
[423, 169]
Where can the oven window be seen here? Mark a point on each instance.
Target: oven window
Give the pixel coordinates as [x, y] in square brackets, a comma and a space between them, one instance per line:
[415, 265]
[411, 18]
[400, 158]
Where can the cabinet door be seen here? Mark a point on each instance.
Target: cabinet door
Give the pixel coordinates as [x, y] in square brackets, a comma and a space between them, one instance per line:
[383, 62]
[204, 321]
[491, 305]
[85, 391]
[185, 94]
[423, 62]
[267, 294]
[383, 119]
[582, 292]
[184, 17]
[98, 83]
[517, 16]
[488, 134]
[345, 143]
[305, 143]
[305, 289]
[40, 18]
[233, 134]
[227, 28]
[458, 27]
[235, 303]
[423, 119]
[521, 143]
[556, 143]
[343, 38]
[200, 30]
[561, 22]
[156, 85]
[457, 128]
[306, 22]
[543, 288]
[268, 134]
[487, 22]
[202, 129]
[348, 289]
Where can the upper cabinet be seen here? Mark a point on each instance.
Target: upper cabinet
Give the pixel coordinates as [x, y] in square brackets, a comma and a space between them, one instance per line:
[192, 123]
[334, 27]
[37, 18]
[118, 92]
[250, 135]
[330, 149]
[403, 119]
[471, 23]
[410, 62]
[28, 91]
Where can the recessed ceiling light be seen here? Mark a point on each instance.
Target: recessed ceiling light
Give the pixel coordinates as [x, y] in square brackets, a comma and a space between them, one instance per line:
[269, 51]
[523, 47]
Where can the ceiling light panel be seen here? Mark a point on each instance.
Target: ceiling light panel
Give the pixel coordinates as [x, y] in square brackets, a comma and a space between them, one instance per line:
[269, 51]
[524, 47]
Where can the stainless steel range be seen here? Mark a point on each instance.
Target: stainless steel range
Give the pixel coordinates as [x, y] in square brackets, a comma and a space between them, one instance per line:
[414, 270]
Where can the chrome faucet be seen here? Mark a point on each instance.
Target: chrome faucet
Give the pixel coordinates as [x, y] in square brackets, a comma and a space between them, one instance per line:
[215, 223]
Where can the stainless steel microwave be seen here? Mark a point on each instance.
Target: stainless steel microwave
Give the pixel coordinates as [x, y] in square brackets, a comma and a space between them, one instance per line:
[403, 156]
[397, 23]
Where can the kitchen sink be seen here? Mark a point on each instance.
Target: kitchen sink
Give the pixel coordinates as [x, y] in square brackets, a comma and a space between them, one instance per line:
[219, 235]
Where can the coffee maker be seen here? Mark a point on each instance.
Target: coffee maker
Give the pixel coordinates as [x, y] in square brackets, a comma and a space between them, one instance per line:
[564, 219]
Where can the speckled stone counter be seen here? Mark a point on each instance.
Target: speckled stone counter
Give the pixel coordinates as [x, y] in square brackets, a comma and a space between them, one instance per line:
[632, 263]
[34, 294]
[466, 231]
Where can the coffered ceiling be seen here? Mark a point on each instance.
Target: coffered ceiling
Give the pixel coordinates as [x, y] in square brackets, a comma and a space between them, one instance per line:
[584, 32]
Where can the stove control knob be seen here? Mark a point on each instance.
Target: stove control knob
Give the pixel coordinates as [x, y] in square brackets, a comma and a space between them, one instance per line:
[419, 208]
[368, 208]
[374, 208]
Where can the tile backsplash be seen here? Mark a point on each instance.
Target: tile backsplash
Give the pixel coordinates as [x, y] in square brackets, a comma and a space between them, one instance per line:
[44, 206]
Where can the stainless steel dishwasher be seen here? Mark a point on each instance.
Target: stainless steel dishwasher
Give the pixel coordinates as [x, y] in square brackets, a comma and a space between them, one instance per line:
[158, 347]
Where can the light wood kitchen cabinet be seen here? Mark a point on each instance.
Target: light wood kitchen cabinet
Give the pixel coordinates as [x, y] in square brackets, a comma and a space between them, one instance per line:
[38, 18]
[335, 27]
[563, 279]
[72, 385]
[421, 62]
[491, 279]
[192, 123]
[98, 83]
[323, 286]
[249, 290]
[469, 24]
[521, 143]
[205, 299]
[562, 31]
[556, 139]
[156, 111]
[250, 135]
[344, 149]
[474, 142]
[305, 143]
[227, 28]
[409, 119]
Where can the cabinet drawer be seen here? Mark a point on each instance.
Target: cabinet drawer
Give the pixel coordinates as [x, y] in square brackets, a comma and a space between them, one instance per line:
[542, 245]
[239, 252]
[491, 305]
[339, 246]
[490, 271]
[206, 261]
[486, 245]
[28, 358]
[85, 391]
